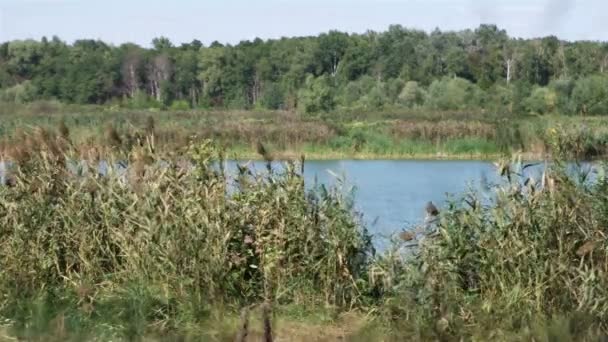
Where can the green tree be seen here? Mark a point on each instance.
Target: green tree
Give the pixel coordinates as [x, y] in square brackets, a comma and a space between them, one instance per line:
[453, 94]
[23, 57]
[376, 98]
[412, 95]
[91, 74]
[563, 88]
[590, 96]
[187, 84]
[480, 68]
[316, 95]
[162, 44]
[211, 64]
[330, 52]
[357, 58]
[542, 100]
[21, 93]
[353, 91]
[501, 98]
[273, 97]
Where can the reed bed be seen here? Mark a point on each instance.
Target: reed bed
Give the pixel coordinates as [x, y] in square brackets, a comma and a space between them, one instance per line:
[388, 134]
[529, 265]
[443, 130]
[168, 244]
[177, 251]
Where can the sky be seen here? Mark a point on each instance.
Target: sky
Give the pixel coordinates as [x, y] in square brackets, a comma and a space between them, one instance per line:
[230, 21]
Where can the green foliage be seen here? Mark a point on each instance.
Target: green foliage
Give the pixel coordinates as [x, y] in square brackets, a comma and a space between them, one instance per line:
[273, 97]
[317, 95]
[543, 100]
[20, 93]
[192, 243]
[91, 74]
[590, 95]
[518, 266]
[211, 64]
[174, 249]
[563, 90]
[392, 89]
[375, 99]
[471, 69]
[141, 101]
[501, 99]
[453, 93]
[180, 105]
[412, 95]
[353, 91]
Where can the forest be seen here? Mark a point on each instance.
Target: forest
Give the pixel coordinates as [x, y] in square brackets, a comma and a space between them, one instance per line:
[483, 70]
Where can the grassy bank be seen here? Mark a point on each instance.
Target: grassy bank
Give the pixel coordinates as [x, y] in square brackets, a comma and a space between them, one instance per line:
[411, 134]
[171, 254]
[469, 149]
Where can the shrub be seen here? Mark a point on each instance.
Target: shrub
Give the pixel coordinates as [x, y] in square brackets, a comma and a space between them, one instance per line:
[317, 95]
[453, 93]
[142, 101]
[563, 88]
[412, 95]
[21, 93]
[590, 96]
[273, 97]
[180, 105]
[352, 93]
[542, 101]
[375, 98]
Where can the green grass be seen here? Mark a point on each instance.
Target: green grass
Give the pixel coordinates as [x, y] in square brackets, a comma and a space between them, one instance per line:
[375, 135]
[400, 134]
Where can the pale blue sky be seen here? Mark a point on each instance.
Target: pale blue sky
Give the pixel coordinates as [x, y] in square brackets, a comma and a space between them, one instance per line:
[139, 21]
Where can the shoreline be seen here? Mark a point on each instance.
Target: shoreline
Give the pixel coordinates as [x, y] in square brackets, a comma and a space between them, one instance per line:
[293, 155]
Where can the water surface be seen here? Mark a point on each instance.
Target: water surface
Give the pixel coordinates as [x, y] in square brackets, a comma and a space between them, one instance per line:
[392, 194]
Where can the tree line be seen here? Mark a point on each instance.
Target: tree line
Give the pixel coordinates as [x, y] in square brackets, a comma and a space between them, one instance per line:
[481, 69]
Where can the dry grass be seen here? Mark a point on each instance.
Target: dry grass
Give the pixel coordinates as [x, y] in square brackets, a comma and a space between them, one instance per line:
[163, 246]
[171, 251]
[442, 130]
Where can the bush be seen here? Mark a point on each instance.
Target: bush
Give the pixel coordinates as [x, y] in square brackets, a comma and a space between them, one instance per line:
[374, 99]
[317, 95]
[21, 93]
[453, 93]
[393, 88]
[412, 95]
[590, 96]
[273, 97]
[563, 90]
[352, 93]
[141, 100]
[542, 101]
[180, 105]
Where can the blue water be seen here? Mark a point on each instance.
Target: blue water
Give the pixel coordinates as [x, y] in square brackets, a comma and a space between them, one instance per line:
[390, 194]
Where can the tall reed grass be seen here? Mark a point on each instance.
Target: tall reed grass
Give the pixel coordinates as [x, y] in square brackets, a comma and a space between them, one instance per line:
[529, 265]
[168, 245]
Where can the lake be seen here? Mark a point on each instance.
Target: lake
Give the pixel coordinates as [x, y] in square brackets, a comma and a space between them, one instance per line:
[392, 194]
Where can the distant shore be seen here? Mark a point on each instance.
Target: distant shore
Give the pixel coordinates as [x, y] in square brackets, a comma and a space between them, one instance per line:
[338, 155]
